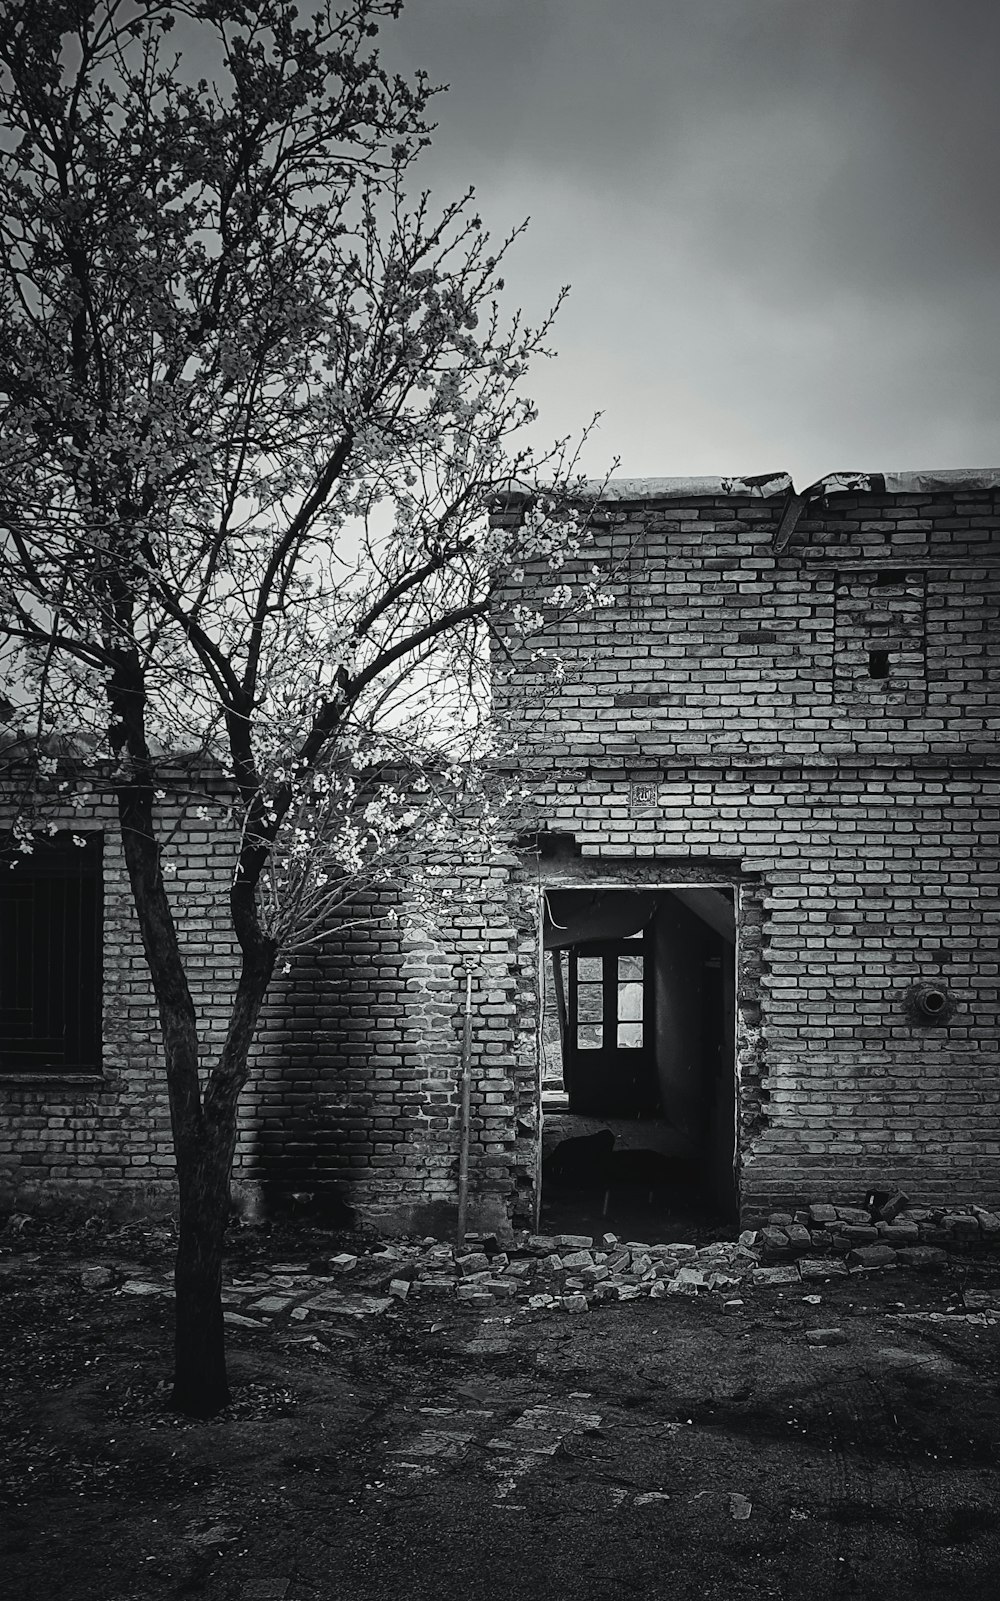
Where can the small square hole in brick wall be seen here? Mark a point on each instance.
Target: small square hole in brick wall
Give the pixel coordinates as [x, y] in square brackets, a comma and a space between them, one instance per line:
[878, 664]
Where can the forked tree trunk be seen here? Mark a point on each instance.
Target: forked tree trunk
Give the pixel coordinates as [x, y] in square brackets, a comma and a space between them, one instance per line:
[203, 1123]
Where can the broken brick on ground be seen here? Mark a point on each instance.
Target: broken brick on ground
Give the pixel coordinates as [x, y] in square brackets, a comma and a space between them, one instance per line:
[575, 1272]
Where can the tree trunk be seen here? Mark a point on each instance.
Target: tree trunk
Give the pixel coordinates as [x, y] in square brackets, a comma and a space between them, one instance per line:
[201, 1387]
[204, 1164]
[203, 1126]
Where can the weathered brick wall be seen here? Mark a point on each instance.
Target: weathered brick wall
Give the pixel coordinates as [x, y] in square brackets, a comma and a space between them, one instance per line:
[355, 1096]
[815, 727]
[108, 1137]
[824, 720]
[354, 1092]
[718, 645]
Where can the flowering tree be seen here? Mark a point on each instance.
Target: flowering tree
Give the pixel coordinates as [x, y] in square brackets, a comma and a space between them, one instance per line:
[255, 405]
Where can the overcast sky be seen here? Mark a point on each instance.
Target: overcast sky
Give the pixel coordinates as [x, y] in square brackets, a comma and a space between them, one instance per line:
[780, 219]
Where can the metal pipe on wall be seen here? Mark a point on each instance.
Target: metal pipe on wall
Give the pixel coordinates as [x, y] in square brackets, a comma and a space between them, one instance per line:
[464, 1116]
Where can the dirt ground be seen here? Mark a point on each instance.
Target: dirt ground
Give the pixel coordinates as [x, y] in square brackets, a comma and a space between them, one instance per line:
[384, 1450]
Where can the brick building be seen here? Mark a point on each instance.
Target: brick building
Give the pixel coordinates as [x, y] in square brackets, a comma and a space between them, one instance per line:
[748, 927]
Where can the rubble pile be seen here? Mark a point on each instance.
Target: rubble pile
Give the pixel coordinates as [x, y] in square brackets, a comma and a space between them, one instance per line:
[523, 1272]
[576, 1272]
[888, 1230]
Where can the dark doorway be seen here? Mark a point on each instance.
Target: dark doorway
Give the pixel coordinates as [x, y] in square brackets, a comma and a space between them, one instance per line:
[638, 1103]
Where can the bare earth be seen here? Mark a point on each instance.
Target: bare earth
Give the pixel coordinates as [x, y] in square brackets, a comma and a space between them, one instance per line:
[427, 1448]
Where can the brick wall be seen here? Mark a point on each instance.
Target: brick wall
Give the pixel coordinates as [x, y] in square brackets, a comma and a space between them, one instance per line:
[355, 1095]
[354, 1092]
[815, 727]
[820, 721]
[107, 1137]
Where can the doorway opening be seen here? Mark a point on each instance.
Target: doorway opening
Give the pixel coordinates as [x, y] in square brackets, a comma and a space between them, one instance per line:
[638, 1061]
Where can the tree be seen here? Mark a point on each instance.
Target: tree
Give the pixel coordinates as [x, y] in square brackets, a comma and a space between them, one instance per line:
[254, 408]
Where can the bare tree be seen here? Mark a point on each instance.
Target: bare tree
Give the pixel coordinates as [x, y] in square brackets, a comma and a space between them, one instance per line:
[254, 406]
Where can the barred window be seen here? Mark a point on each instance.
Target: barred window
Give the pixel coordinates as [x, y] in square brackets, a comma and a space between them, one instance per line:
[51, 916]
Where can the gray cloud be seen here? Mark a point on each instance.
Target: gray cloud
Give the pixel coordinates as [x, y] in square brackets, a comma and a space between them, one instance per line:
[779, 217]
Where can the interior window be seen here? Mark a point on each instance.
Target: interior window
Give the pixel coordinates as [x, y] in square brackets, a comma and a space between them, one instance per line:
[606, 994]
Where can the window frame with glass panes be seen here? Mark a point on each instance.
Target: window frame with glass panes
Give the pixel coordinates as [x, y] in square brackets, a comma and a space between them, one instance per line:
[609, 1055]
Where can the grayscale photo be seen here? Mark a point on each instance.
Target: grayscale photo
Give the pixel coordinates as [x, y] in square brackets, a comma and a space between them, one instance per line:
[499, 800]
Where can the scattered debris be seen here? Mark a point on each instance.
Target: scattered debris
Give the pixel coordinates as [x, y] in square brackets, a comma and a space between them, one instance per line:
[96, 1278]
[577, 1302]
[573, 1273]
[775, 1275]
[449, 1443]
[872, 1256]
[981, 1301]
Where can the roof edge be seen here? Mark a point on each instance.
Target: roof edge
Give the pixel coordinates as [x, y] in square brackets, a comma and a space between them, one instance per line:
[761, 486]
[764, 486]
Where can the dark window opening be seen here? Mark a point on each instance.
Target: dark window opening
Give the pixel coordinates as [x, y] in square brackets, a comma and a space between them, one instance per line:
[889, 579]
[878, 664]
[51, 913]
